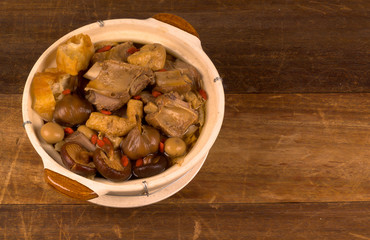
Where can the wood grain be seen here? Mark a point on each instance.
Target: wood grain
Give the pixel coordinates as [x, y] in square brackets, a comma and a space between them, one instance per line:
[305, 147]
[271, 148]
[292, 157]
[258, 47]
[188, 221]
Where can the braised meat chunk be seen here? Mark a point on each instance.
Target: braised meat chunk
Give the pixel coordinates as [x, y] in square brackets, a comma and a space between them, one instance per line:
[117, 82]
[174, 80]
[173, 116]
[190, 71]
[119, 53]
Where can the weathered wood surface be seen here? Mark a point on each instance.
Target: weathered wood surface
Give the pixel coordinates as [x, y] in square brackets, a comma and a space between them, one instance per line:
[188, 221]
[272, 148]
[263, 47]
[296, 126]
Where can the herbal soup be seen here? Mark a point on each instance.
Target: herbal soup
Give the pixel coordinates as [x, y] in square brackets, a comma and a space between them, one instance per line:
[119, 110]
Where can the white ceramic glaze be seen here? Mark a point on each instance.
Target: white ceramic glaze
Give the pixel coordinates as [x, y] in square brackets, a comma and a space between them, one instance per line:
[178, 43]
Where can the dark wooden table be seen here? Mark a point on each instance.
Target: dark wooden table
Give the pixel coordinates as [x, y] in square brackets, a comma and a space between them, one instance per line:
[292, 160]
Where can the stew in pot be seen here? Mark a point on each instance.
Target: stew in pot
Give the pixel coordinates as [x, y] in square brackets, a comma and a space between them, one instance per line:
[119, 110]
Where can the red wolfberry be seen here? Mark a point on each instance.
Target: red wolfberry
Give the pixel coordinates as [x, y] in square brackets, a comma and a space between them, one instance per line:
[66, 91]
[203, 94]
[124, 160]
[161, 147]
[132, 50]
[107, 141]
[106, 112]
[94, 139]
[156, 93]
[139, 162]
[104, 49]
[137, 97]
[68, 130]
[100, 142]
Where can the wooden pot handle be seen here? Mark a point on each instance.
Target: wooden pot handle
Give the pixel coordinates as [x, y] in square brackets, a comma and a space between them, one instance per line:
[68, 186]
[176, 21]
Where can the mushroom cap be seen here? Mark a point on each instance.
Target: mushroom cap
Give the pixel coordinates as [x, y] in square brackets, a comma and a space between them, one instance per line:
[110, 166]
[77, 159]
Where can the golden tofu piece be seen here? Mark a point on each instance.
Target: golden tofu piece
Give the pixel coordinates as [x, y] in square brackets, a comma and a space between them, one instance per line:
[134, 107]
[110, 124]
[46, 89]
[43, 101]
[115, 125]
[74, 55]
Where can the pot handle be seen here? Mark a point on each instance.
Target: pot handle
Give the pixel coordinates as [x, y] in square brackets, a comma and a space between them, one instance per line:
[176, 21]
[68, 186]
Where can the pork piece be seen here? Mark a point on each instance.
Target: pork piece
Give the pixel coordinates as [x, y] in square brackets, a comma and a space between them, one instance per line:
[118, 53]
[169, 65]
[108, 103]
[185, 68]
[116, 83]
[173, 116]
[190, 71]
[150, 55]
[94, 71]
[172, 81]
[195, 99]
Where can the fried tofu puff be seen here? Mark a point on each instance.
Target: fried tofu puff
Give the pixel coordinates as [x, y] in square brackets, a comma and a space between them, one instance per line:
[74, 55]
[46, 89]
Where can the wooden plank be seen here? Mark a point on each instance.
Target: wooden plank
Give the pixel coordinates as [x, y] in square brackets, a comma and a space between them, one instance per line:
[21, 167]
[271, 148]
[187, 221]
[259, 47]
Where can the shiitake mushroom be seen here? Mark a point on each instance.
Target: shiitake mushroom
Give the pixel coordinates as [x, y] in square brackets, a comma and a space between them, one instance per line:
[81, 139]
[152, 165]
[77, 159]
[72, 110]
[109, 165]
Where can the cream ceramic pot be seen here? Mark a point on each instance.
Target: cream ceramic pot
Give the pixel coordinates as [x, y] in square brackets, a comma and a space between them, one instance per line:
[181, 40]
